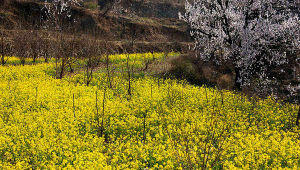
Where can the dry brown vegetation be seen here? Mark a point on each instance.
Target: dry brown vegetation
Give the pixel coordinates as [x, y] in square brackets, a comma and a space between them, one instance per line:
[16, 14]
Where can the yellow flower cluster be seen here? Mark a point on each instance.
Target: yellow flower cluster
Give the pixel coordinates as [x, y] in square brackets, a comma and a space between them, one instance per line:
[139, 60]
[164, 124]
[140, 56]
[17, 61]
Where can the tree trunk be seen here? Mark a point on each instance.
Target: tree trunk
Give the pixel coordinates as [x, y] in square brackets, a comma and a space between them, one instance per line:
[108, 72]
[298, 118]
[23, 61]
[71, 68]
[61, 75]
[46, 59]
[2, 50]
[34, 59]
[237, 82]
[2, 60]
[129, 76]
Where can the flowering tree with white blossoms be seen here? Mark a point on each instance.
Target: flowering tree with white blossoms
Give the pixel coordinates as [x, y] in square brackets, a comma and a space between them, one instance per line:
[254, 35]
[58, 10]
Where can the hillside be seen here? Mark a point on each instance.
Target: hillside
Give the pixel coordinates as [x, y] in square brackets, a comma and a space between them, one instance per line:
[157, 27]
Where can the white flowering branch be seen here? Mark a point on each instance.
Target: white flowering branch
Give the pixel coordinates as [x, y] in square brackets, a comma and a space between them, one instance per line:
[58, 10]
[254, 34]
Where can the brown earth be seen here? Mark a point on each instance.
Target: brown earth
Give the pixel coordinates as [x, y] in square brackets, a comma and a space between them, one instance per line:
[152, 31]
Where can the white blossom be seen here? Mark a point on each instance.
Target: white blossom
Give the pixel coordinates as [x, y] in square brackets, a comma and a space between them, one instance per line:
[253, 34]
[56, 10]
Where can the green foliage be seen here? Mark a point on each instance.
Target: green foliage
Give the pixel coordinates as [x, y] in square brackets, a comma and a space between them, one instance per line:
[91, 5]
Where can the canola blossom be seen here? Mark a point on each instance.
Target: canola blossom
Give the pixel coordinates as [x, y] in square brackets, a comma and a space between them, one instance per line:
[139, 60]
[164, 124]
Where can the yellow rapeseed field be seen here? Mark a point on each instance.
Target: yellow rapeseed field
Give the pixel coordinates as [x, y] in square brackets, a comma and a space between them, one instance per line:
[46, 123]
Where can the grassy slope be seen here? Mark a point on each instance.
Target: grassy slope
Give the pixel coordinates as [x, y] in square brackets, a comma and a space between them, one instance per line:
[24, 13]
